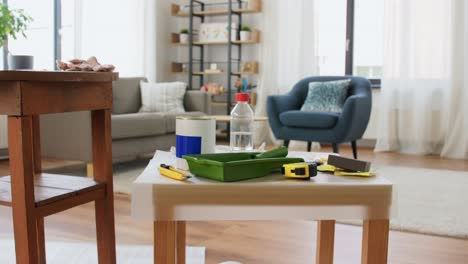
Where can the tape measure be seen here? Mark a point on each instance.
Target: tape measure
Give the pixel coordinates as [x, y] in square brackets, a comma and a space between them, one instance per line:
[302, 170]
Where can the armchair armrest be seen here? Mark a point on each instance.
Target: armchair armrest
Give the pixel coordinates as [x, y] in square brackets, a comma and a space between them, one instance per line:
[353, 121]
[277, 104]
[197, 101]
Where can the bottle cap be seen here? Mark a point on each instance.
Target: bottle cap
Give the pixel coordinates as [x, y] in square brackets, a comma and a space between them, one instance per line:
[242, 97]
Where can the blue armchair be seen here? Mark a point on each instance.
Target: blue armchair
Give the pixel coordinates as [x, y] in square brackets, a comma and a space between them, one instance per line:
[289, 123]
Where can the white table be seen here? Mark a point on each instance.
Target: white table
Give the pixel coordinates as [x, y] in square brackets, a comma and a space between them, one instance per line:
[169, 203]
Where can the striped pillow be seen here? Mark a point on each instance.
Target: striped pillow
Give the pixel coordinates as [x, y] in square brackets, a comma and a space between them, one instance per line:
[162, 97]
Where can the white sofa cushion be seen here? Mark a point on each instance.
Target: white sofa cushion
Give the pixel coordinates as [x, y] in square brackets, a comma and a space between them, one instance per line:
[162, 97]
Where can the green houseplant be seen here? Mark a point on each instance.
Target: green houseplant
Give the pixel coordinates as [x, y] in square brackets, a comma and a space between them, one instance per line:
[184, 35]
[14, 22]
[245, 33]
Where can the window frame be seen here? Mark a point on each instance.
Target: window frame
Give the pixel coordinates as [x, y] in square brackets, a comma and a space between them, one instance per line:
[349, 55]
[57, 37]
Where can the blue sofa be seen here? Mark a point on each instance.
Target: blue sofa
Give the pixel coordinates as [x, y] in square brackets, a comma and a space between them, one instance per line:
[289, 123]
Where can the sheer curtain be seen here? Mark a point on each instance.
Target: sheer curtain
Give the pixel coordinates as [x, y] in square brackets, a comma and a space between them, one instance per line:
[287, 52]
[424, 86]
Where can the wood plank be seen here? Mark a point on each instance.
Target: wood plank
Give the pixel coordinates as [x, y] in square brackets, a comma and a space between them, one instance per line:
[50, 188]
[325, 241]
[60, 97]
[165, 248]
[220, 12]
[22, 188]
[37, 144]
[104, 208]
[58, 76]
[41, 240]
[10, 98]
[245, 42]
[65, 204]
[375, 242]
[181, 242]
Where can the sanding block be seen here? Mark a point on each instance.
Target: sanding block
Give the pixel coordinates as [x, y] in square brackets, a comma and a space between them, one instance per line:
[349, 164]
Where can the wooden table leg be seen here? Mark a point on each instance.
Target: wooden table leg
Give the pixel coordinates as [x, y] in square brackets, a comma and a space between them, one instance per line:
[375, 241]
[169, 242]
[104, 209]
[36, 128]
[325, 241]
[20, 144]
[41, 240]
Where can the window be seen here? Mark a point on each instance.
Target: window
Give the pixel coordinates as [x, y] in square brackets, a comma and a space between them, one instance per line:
[368, 38]
[68, 29]
[116, 39]
[331, 29]
[40, 33]
[350, 38]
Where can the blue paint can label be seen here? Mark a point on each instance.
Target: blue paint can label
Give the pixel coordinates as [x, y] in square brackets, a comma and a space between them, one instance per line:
[188, 145]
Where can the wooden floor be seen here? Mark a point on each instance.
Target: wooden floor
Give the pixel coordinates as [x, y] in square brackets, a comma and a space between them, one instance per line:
[262, 242]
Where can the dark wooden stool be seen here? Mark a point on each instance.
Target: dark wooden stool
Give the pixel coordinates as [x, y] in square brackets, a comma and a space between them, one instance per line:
[33, 195]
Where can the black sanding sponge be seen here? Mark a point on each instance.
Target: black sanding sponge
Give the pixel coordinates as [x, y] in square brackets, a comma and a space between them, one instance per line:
[349, 164]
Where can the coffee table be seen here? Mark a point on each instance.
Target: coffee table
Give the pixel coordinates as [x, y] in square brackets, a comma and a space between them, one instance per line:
[170, 203]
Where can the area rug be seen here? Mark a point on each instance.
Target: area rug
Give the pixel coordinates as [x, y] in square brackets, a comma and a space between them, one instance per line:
[428, 201]
[77, 253]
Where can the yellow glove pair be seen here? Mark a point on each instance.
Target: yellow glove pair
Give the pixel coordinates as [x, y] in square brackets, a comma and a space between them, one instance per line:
[339, 172]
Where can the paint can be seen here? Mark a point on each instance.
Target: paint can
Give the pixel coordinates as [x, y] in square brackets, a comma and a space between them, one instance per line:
[194, 135]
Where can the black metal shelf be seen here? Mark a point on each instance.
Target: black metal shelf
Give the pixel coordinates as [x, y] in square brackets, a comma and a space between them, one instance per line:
[198, 10]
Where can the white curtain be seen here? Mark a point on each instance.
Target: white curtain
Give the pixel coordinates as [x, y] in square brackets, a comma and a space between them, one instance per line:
[287, 52]
[424, 92]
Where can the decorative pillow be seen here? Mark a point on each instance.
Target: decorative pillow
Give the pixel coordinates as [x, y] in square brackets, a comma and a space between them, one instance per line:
[326, 96]
[162, 97]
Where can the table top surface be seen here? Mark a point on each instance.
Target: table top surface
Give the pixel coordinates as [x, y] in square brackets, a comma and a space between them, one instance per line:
[152, 176]
[57, 76]
[273, 197]
[227, 118]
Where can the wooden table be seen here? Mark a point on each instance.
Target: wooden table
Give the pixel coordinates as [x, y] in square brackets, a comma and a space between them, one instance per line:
[33, 195]
[326, 197]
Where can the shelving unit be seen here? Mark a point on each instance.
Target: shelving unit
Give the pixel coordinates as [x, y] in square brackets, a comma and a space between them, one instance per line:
[197, 9]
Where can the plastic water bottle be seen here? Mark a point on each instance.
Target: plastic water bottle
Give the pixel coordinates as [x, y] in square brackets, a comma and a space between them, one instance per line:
[242, 118]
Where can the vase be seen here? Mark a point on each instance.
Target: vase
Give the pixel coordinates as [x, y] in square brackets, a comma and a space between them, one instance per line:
[183, 38]
[245, 35]
[20, 62]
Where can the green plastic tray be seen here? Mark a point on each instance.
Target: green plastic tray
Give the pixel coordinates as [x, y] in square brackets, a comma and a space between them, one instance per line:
[230, 167]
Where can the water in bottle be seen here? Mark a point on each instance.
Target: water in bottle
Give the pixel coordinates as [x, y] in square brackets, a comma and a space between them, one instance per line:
[242, 118]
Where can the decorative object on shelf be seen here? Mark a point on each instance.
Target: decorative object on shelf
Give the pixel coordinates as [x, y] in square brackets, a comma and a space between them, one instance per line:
[250, 67]
[212, 88]
[243, 86]
[213, 66]
[90, 64]
[245, 33]
[14, 22]
[184, 36]
[217, 32]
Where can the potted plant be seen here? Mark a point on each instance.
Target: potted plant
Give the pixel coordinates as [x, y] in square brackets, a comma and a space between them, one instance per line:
[12, 23]
[184, 36]
[245, 33]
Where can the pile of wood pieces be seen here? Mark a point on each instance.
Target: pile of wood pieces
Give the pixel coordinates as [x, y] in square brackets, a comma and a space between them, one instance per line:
[90, 64]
